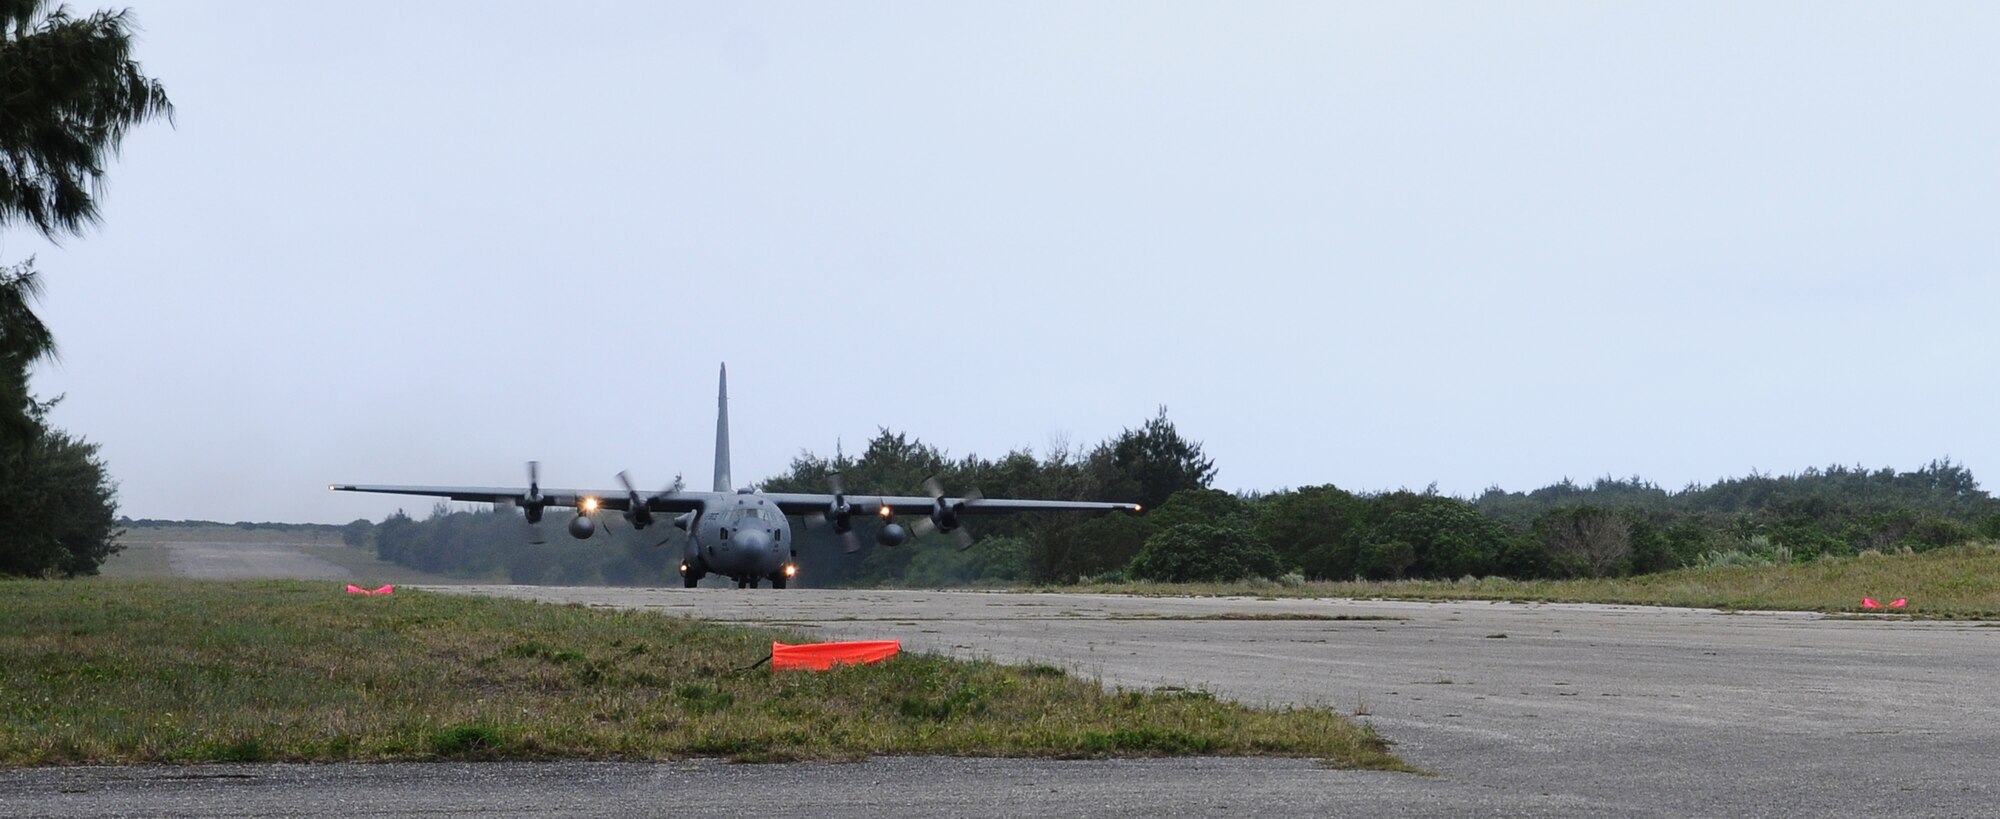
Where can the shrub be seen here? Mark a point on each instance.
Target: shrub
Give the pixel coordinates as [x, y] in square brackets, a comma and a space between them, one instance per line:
[1598, 540]
[1199, 552]
[1299, 524]
[1387, 559]
[1731, 557]
[1110, 578]
[1330, 561]
[1447, 537]
[1934, 533]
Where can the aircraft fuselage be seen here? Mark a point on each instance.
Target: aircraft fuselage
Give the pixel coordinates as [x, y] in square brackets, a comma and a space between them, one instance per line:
[744, 537]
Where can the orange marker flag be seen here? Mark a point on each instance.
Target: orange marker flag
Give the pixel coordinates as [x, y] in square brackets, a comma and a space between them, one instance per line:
[822, 656]
[1869, 603]
[1899, 603]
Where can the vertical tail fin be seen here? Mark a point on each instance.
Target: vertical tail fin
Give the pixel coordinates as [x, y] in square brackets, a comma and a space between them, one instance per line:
[722, 482]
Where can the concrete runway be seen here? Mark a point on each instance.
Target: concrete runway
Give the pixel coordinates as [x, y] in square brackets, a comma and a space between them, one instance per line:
[1575, 711]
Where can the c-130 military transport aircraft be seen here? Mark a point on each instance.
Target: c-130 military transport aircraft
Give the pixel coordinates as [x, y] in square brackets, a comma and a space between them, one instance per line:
[744, 534]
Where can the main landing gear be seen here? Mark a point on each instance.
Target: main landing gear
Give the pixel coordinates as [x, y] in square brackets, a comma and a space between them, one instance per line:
[692, 573]
[777, 581]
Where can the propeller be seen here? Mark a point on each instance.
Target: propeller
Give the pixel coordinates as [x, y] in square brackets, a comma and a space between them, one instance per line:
[944, 514]
[532, 504]
[838, 512]
[638, 513]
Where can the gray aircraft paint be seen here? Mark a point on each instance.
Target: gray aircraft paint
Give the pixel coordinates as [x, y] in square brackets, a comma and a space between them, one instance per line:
[722, 481]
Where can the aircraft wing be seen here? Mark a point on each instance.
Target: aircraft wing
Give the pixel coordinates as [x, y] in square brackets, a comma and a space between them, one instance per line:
[613, 499]
[801, 503]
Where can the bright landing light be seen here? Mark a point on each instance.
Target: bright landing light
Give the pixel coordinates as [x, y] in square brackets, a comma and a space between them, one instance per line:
[589, 504]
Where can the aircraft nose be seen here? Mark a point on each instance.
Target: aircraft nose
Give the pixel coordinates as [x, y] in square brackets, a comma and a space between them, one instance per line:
[753, 540]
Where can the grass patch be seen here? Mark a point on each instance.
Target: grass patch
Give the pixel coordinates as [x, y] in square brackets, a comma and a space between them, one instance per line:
[111, 671]
[1956, 583]
[465, 741]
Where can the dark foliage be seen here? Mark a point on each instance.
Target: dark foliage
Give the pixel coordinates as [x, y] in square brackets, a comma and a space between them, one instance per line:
[497, 543]
[1833, 511]
[1191, 552]
[1152, 462]
[68, 91]
[56, 502]
[71, 90]
[59, 506]
[1610, 527]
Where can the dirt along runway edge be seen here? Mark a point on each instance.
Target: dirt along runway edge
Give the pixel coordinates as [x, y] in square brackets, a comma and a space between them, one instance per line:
[1566, 707]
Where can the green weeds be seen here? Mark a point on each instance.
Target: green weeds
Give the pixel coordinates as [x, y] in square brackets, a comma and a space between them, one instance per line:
[111, 671]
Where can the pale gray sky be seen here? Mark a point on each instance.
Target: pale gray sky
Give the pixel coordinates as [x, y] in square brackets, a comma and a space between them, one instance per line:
[1377, 245]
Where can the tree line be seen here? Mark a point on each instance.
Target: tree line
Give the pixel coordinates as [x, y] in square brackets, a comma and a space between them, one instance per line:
[1610, 527]
[492, 544]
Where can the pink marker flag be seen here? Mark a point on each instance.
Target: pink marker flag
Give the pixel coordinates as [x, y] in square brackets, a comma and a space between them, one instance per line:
[1869, 603]
[384, 590]
[353, 589]
[1899, 603]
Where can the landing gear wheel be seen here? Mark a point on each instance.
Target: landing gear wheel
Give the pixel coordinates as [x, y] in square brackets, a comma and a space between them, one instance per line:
[688, 580]
[778, 582]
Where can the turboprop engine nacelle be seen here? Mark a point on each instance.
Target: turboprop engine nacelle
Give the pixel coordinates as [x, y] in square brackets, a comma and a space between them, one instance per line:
[944, 516]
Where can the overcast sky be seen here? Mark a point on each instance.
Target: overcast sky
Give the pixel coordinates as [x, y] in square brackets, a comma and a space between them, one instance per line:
[1376, 245]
